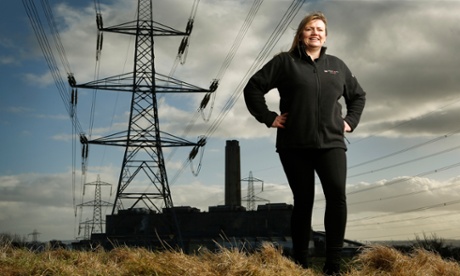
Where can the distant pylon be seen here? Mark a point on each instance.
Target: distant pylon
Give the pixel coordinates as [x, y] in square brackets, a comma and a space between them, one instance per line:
[94, 225]
[251, 198]
[34, 235]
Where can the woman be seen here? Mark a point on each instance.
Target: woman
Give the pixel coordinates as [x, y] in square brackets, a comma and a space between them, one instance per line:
[310, 130]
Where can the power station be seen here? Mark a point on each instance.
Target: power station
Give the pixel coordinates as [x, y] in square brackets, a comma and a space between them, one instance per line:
[224, 224]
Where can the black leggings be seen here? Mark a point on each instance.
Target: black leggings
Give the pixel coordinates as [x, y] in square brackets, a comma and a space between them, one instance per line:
[330, 165]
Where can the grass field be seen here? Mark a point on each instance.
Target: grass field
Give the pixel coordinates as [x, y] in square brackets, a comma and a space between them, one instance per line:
[268, 260]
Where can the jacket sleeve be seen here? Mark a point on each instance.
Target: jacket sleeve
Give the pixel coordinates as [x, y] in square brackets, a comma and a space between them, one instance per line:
[258, 85]
[355, 99]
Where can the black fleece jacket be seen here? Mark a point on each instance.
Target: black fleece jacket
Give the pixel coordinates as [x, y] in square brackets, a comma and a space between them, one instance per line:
[309, 93]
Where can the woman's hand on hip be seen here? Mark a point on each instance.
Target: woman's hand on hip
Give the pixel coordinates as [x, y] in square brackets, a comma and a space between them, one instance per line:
[346, 127]
[280, 121]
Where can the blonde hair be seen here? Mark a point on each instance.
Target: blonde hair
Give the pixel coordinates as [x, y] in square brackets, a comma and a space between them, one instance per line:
[307, 19]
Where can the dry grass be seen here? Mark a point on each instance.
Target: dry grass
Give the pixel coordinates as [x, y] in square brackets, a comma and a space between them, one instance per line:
[267, 261]
[382, 260]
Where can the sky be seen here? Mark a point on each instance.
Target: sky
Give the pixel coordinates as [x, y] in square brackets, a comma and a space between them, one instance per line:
[404, 171]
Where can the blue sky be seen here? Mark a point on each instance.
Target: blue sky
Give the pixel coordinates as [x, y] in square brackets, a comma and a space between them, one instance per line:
[403, 172]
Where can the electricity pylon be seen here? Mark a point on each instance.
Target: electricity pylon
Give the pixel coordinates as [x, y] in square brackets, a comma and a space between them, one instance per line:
[143, 141]
[251, 198]
[34, 235]
[94, 225]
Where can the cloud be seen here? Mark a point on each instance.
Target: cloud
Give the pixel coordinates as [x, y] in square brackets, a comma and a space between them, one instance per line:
[36, 189]
[7, 60]
[43, 80]
[28, 200]
[18, 109]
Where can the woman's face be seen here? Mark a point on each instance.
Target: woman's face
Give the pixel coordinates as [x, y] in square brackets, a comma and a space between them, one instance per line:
[314, 34]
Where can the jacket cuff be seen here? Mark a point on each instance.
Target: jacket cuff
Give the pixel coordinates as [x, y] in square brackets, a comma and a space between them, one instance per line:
[270, 118]
[352, 126]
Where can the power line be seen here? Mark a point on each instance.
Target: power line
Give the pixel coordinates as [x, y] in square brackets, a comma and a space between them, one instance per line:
[418, 218]
[406, 179]
[228, 59]
[405, 162]
[406, 149]
[423, 116]
[402, 195]
[226, 63]
[268, 47]
[419, 227]
[68, 96]
[272, 40]
[413, 210]
[48, 53]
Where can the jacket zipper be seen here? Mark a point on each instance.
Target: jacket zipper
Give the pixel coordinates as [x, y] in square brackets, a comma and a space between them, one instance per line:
[318, 105]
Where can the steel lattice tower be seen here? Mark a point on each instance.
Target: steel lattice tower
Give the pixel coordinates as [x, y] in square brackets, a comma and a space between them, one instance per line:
[94, 225]
[34, 235]
[251, 198]
[143, 141]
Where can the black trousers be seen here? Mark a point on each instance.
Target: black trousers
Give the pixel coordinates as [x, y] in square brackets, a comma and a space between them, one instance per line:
[330, 165]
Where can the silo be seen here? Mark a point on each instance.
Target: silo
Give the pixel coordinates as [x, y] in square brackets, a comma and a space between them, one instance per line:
[232, 174]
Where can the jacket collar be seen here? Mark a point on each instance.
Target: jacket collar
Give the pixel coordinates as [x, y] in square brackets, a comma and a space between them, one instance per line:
[301, 53]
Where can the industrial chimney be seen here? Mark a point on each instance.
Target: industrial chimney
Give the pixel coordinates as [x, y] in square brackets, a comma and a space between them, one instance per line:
[232, 174]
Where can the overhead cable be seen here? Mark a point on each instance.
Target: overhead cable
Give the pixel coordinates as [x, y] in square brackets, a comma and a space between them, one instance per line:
[260, 59]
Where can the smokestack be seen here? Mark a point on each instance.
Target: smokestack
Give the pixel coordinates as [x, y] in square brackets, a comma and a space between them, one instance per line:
[232, 174]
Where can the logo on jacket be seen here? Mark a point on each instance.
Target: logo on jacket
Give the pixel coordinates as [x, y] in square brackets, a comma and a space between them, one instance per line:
[332, 72]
